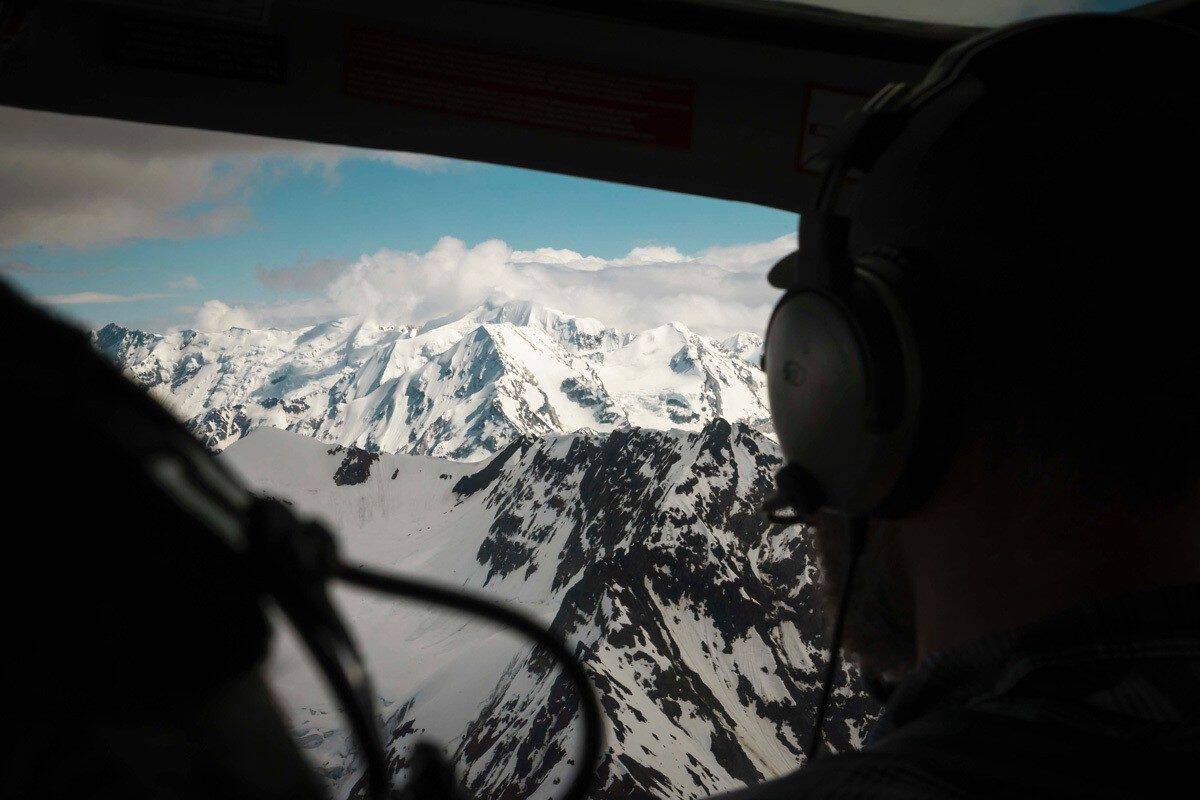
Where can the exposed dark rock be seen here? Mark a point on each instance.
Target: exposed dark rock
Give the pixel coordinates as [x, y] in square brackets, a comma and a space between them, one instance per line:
[355, 467]
[684, 361]
[218, 426]
[470, 484]
[654, 533]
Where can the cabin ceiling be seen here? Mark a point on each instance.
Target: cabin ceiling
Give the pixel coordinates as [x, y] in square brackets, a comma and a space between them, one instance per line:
[711, 97]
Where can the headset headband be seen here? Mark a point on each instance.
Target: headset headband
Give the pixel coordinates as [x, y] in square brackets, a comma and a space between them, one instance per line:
[822, 263]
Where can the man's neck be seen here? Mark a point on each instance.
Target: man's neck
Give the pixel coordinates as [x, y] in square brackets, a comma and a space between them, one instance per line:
[1000, 567]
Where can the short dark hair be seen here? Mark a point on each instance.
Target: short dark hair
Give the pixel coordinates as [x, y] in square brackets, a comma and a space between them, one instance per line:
[1053, 246]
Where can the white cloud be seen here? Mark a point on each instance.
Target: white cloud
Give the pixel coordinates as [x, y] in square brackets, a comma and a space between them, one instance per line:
[70, 181]
[652, 254]
[718, 291]
[565, 258]
[753, 257]
[78, 298]
[216, 316]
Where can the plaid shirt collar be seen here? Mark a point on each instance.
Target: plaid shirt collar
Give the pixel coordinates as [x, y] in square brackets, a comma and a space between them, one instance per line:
[1096, 644]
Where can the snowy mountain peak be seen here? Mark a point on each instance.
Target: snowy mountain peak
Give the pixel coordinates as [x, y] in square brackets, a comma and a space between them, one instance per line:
[518, 312]
[746, 346]
[460, 387]
[584, 333]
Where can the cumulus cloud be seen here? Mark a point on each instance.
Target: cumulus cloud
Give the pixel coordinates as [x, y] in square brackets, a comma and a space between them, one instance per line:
[718, 291]
[563, 258]
[756, 257]
[652, 254]
[79, 181]
[215, 316]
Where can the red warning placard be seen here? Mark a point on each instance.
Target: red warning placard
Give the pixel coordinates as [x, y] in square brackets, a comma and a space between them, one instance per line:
[385, 65]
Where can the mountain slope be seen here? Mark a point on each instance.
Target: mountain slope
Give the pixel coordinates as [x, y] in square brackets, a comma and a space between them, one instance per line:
[459, 388]
[696, 619]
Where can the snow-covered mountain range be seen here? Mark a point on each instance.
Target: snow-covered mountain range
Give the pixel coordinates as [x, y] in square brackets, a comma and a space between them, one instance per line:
[697, 619]
[460, 387]
[607, 481]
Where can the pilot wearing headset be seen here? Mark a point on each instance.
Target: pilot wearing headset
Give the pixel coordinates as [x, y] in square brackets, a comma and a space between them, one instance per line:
[983, 373]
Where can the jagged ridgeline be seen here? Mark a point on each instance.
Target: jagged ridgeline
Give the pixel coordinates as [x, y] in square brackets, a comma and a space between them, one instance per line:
[459, 387]
[608, 482]
[697, 620]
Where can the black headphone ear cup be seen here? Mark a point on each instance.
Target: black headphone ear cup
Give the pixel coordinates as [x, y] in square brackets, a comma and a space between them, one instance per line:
[843, 385]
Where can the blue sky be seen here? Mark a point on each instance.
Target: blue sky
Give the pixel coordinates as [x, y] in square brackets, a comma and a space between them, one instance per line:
[159, 227]
[176, 219]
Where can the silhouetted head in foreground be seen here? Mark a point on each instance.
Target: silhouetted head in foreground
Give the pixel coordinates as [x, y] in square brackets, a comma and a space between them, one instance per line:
[1051, 238]
[984, 376]
[136, 635]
